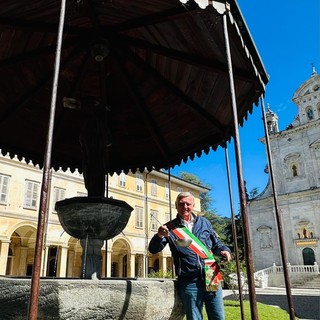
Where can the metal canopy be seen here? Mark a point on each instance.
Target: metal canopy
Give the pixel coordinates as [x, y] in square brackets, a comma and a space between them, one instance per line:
[152, 77]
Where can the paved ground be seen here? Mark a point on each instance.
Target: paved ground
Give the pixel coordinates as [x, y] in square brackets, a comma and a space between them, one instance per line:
[306, 302]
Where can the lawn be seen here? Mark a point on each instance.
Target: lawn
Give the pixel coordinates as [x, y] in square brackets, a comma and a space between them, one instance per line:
[265, 312]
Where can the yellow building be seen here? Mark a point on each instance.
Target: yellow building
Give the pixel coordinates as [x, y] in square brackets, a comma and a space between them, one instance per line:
[127, 255]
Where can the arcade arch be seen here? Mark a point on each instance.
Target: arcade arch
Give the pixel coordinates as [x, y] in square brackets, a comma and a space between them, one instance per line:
[21, 251]
[121, 259]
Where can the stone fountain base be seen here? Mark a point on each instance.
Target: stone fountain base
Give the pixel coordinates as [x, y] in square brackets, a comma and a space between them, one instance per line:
[150, 299]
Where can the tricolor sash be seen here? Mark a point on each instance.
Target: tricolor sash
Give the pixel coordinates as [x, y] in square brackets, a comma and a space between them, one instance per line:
[212, 271]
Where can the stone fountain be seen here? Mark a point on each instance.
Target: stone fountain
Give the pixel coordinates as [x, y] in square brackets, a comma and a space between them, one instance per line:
[93, 219]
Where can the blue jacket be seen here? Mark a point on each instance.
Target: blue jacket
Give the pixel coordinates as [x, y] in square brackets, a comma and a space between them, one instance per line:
[187, 263]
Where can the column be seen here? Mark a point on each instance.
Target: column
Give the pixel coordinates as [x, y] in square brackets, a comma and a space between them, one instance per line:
[71, 262]
[91, 258]
[4, 251]
[22, 266]
[120, 262]
[144, 266]
[163, 264]
[62, 269]
[132, 265]
[140, 264]
[44, 261]
[109, 263]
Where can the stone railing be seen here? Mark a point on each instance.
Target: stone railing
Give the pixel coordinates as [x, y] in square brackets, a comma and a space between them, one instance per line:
[262, 277]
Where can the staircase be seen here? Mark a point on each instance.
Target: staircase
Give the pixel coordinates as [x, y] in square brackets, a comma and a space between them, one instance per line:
[301, 276]
[313, 283]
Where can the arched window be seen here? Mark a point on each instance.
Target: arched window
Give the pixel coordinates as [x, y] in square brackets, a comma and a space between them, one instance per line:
[294, 167]
[294, 170]
[309, 113]
[304, 232]
[122, 179]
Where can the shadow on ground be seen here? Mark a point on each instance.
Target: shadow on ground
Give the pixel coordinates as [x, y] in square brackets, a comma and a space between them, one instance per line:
[306, 307]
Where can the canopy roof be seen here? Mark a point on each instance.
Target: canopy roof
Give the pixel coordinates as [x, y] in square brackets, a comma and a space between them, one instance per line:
[158, 67]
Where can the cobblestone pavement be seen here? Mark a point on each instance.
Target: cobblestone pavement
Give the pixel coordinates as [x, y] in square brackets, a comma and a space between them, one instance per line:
[306, 302]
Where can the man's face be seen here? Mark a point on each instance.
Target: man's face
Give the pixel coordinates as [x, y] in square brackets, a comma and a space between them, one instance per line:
[185, 207]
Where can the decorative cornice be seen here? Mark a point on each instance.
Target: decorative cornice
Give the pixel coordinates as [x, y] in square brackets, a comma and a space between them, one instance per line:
[287, 132]
[307, 242]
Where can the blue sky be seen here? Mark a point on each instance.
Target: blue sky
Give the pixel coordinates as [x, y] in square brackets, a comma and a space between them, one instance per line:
[287, 36]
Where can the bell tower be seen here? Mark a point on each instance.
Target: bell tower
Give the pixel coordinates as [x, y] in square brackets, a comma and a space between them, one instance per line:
[272, 121]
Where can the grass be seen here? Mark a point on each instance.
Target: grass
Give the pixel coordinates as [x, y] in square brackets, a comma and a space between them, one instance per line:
[265, 312]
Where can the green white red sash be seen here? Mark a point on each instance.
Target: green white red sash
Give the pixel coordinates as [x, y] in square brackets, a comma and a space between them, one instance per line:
[212, 270]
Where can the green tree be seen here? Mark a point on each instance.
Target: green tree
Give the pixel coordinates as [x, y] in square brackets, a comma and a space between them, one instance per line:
[229, 235]
[219, 225]
[238, 224]
[205, 198]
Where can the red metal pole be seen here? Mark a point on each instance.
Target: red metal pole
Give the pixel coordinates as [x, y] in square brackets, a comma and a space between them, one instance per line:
[242, 191]
[35, 282]
[234, 234]
[278, 218]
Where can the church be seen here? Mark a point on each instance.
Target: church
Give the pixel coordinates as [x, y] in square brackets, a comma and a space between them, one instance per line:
[295, 158]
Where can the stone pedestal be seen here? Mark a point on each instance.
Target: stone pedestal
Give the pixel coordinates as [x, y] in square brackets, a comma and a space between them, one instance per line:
[91, 258]
[79, 299]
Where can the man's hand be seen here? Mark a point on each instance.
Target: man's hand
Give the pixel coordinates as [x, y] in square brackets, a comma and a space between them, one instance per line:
[163, 231]
[226, 255]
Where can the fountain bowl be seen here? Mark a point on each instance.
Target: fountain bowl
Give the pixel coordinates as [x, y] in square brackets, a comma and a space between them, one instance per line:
[93, 217]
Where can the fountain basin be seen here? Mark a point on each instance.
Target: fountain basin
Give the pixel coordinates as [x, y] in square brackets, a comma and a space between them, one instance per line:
[95, 217]
[74, 299]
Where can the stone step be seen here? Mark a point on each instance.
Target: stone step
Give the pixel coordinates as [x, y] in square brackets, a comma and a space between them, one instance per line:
[313, 283]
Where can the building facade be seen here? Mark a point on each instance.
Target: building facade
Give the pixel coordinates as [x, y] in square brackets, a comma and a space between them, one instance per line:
[295, 154]
[126, 255]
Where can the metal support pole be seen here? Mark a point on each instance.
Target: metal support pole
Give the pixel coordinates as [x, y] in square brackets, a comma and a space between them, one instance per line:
[44, 200]
[242, 191]
[146, 270]
[169, 182]
[234, 234]
[170, 215]
[106, 241]
[44, 267]
[278, 217]
[84, 263]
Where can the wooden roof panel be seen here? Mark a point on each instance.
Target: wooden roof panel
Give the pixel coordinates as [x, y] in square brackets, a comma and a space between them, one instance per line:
[164, 79]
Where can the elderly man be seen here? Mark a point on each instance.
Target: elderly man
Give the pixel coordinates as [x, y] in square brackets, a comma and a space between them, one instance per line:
[194, 263]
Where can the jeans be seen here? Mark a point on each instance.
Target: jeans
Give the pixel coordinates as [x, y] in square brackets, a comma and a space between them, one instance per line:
[193, 296]
[213, 302]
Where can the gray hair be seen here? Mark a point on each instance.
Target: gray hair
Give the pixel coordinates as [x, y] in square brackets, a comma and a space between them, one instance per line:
[183, 195]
